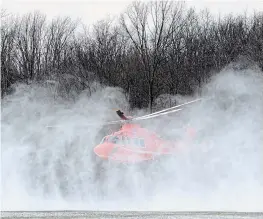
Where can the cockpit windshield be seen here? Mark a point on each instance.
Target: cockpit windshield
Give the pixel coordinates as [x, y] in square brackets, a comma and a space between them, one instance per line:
[125, 141]
[114, 139]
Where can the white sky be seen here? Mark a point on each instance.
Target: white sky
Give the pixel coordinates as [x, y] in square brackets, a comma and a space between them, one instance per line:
[90, 11]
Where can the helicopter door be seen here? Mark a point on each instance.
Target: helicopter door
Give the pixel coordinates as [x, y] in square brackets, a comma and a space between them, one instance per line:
[126, 141]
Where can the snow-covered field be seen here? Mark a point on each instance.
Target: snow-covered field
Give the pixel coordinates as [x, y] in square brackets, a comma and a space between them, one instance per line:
[51, 169]
[152, 215]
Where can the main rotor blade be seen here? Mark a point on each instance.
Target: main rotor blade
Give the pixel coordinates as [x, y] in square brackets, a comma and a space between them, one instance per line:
[148, 116]
[156, 115]
[90, 124]
[168, 109]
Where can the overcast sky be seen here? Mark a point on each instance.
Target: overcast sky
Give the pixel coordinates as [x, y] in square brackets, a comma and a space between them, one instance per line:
[90, 11]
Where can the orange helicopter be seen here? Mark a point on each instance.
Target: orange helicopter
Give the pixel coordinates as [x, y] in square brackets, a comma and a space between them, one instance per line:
[134, 144]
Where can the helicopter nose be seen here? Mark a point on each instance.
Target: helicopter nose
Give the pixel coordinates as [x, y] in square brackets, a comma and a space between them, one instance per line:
[103, 150]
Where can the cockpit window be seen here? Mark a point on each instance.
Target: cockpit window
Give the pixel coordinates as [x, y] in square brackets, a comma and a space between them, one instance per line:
[125, 140]
[114, 139]
[103, 140]
[111, 139]
[139, 142]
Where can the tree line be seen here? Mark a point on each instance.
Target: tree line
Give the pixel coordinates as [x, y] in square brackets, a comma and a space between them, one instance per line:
[151, 49]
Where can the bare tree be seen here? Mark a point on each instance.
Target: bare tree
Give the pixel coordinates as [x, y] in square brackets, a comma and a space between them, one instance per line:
[9, 74]
[29, 45]
[156, 48]
[149, 27]
[255, 39]
[58, 38]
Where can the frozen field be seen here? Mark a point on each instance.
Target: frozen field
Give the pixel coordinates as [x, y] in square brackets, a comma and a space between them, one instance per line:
[54, 169]
[130, 214]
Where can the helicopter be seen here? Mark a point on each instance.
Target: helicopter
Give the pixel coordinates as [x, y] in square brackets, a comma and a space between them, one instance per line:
[134, 144]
